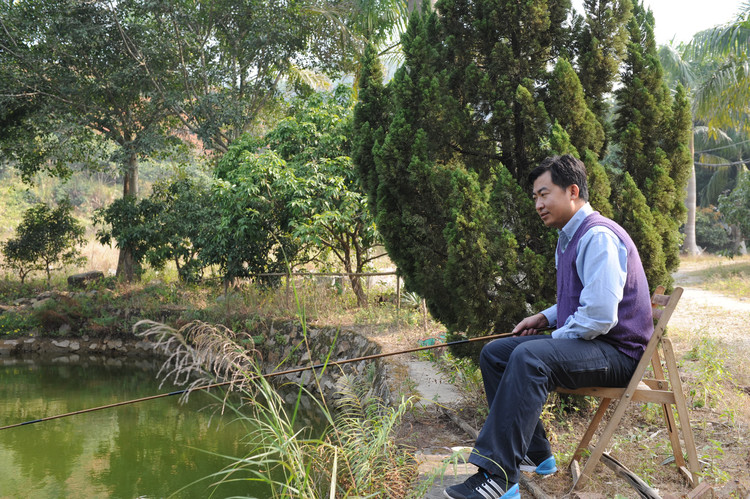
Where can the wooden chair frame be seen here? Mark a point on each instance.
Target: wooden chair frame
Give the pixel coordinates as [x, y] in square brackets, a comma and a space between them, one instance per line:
[665, 391]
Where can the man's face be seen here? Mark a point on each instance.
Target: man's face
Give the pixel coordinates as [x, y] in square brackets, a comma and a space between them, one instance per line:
[554, 204]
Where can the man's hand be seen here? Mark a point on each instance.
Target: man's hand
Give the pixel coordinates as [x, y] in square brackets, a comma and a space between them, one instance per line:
[531, 325]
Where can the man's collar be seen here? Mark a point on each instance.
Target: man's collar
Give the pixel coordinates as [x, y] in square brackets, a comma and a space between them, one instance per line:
[572, 226]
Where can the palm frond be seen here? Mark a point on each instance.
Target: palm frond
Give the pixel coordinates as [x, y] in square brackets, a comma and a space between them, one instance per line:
[723, 40]
[723, 101]
[720, 182]
[705, 138]
[676, 66]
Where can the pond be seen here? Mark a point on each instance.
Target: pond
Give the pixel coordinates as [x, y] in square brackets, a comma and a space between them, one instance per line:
[149, 449]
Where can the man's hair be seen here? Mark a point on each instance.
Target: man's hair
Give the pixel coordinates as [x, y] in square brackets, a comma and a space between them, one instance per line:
[565, 171]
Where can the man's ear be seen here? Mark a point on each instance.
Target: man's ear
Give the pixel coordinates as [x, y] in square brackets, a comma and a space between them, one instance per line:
[574, 191]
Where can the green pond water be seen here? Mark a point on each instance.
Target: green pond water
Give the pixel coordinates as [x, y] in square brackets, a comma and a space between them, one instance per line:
[150, 449]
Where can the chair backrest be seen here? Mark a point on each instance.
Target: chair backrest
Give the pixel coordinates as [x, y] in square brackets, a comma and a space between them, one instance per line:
[662, 307]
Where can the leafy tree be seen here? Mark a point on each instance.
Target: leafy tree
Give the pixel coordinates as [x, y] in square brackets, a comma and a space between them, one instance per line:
[254, 232]
[735, 206]
[713, 68]
[305, 193]
[601, 44]
[568, 106]
[185, 213]
[67, 69]
[126, 222]
[450, 204]
[712, 231]
[18, 259]
[168, 225]
[45, 238]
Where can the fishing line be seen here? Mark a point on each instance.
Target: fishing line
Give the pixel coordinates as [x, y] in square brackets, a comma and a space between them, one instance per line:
[269, 375]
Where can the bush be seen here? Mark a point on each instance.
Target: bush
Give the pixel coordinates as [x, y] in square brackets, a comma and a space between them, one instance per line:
[44, 238]
[711, 232]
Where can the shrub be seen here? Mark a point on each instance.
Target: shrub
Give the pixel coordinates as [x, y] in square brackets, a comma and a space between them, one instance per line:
[44, 238]
[711, 232]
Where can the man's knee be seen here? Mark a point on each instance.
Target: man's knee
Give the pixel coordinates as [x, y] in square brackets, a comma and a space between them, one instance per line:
[495, 353]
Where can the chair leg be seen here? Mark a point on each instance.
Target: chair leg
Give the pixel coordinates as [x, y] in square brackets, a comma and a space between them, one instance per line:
[604, 438]
[682, 412]
[674, 436]
[583, 445]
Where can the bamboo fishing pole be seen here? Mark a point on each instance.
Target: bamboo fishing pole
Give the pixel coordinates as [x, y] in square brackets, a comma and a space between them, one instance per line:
[269, 375]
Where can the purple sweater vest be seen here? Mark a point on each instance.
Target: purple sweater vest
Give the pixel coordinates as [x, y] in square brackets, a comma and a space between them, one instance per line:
[634, 321]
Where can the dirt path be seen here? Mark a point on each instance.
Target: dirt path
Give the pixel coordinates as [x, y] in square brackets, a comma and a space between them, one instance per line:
[718, 316]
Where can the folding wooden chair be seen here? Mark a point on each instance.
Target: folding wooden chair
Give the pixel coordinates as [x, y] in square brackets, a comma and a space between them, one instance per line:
[661, 390]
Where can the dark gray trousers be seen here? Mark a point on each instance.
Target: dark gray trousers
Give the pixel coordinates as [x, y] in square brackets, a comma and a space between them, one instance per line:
[518, 374]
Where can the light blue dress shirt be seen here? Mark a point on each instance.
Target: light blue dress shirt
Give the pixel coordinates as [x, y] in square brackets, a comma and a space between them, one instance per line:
[602, 267]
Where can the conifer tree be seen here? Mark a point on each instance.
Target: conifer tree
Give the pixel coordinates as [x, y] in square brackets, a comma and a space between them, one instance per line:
[444, 151]
[652, 131]
[567, 104]
[601, 45]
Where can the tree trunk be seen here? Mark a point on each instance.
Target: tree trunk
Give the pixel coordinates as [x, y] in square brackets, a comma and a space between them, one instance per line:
[691, 247]
[359, 290]
[126, 265]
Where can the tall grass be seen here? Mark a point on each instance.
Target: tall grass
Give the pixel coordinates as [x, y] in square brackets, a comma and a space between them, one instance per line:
[354, 457]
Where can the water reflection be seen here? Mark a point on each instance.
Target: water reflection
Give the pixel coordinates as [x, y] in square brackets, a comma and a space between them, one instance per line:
[149, 449]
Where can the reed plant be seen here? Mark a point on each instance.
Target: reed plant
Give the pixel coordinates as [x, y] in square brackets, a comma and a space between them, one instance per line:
[354, 456]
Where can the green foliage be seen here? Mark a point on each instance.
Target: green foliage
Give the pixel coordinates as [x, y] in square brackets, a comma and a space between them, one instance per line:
[125, 222]
[735, 206]
[601, 44]
[707, 389]
[185, 213]
[302, 189]
[17, 323]
[652, 130]
[254, 232]
[711, 232]
[45, 238]
[637, 218]
[567, 104]
[485, 93]
[71, 85]
[170, 225]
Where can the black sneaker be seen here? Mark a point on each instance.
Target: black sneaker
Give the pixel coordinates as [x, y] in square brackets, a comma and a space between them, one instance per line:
[546, 466]
[482, 486]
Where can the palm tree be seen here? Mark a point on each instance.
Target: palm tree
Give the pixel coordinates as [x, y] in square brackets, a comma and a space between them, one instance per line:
[715, 69]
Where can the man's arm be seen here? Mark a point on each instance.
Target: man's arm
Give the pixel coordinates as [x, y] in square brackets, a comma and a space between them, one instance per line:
[602, 268]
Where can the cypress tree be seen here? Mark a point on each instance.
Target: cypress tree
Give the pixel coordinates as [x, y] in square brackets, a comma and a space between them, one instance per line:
[567, 104]
[444, 151]
[652, 133]
[601, 47]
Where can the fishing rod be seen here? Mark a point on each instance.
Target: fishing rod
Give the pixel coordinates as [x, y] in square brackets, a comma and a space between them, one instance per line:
[269, 375]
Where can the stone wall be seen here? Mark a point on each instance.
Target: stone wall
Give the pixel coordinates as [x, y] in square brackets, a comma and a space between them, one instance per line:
[282, 347]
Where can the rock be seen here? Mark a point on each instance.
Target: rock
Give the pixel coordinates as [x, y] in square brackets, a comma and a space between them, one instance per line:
[64, 329]
[5, 308]
[41, 303]
[80, 280]
[61, 344]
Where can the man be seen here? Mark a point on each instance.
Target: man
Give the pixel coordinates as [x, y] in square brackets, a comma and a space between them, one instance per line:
[603, 319]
